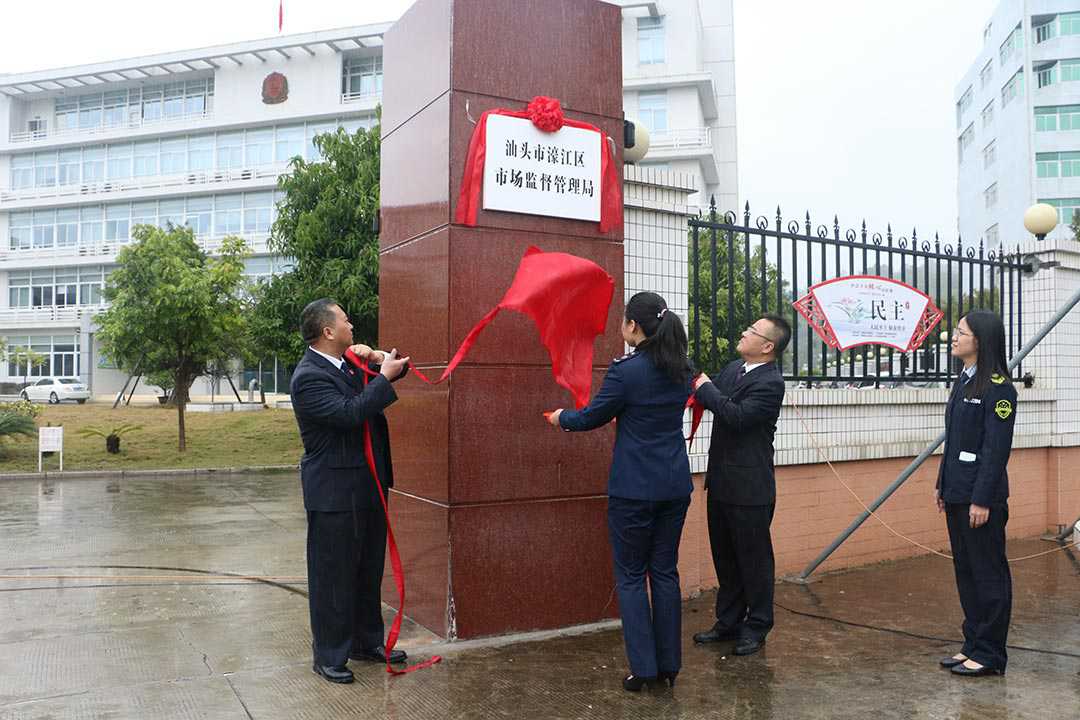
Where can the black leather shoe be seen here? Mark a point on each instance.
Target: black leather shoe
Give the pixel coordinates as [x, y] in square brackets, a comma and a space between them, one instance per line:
[378, 654]
[668, 677]
[749, 646]
[975, 672]
[333, 674]
[713, 635]
[634, 683]
[949, 662]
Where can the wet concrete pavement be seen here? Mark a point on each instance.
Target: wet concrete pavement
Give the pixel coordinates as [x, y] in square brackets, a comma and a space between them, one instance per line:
[123, 645]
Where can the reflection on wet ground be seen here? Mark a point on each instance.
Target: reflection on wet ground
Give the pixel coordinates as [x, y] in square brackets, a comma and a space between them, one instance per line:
[858, 644]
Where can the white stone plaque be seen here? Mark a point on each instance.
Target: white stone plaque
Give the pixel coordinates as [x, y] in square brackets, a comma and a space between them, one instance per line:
[537, 173]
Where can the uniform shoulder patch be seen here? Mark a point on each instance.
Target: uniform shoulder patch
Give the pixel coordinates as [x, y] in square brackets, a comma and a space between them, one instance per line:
[1003, 409]
[997, 379]
[627, 356]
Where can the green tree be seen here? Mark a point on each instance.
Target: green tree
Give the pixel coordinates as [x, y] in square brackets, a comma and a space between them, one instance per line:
[174, 309]
[27, 359]
[326, 226]
[704, 291]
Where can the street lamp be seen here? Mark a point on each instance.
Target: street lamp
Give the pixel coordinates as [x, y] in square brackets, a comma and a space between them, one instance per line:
[1040, 220]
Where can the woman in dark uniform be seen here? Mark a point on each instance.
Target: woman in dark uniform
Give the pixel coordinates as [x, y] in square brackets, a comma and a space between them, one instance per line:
[649, 484]
[973, 491]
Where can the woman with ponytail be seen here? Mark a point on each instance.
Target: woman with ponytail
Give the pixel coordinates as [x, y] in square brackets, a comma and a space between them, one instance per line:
[649, 484]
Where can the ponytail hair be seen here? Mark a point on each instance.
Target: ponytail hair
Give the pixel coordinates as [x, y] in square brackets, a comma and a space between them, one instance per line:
[665, 337]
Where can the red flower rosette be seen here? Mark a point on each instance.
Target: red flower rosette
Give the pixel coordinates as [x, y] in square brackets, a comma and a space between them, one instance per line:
[546, 114]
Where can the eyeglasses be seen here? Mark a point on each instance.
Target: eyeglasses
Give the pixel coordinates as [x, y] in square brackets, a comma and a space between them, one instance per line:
[752, 331]
[960, 332]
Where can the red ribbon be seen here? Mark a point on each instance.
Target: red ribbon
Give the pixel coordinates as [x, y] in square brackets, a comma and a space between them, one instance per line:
[468, 206]
[395, 555]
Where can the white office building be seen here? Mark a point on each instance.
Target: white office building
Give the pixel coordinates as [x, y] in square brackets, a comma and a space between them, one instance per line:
[1018, 121]
[200, 137]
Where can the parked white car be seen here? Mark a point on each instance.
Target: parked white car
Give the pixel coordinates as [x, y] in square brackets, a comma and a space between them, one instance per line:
[55, 389]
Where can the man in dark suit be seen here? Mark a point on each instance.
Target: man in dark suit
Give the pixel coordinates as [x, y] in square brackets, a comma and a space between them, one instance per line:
[745, 403]
[346, 539]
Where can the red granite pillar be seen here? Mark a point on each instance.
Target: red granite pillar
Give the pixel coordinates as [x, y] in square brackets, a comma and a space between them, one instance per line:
[501, 519]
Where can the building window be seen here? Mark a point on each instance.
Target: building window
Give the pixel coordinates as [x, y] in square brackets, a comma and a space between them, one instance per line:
[988, 115]
[120, 108]
[362, 76]
[1046, 75]
[650, 34]
[1067, 208]
[1070, 70]
[1013, 89]
[992, 236]
[990, 195]
[1010, 46]
[289, 143]
[174, 156]
[963, 104]
[989, 154]
[987, 74]
[1069, 24]
[61, 356]
[1059, 164]
[652, 110]
[965, 140]
[987, 32]
[1060, 117]
[1046, 31]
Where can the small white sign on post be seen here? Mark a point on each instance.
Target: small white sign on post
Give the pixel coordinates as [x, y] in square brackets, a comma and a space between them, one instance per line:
[537, 173]
[51, 439]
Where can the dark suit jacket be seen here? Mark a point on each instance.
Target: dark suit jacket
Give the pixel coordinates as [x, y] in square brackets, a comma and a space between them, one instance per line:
[745, 410]
[649, 462]
[978, 440]
[330, 408]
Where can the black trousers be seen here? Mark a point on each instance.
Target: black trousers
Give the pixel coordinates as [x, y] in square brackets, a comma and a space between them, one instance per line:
[743, 558]
[645, 543]
[345, 556]
[983, 582]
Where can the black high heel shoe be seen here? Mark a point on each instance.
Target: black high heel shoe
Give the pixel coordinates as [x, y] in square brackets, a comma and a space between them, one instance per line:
[668, 677]
[634, 683]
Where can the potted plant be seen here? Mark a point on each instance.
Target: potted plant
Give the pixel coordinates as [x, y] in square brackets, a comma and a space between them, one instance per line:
[112, 436]
[163, 380]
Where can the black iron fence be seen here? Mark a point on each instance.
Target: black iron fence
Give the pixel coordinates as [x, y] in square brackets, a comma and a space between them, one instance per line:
[741, 271]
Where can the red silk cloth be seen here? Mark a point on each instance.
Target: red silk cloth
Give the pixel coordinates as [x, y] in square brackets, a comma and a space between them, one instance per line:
[568, 298]
[545, 114]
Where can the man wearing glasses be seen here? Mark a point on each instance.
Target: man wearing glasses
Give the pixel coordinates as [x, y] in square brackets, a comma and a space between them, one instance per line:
[745, 402]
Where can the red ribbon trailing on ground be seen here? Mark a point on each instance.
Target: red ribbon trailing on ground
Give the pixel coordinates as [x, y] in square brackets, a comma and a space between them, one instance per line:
[568, 298]
[395, 555]
[547, 115]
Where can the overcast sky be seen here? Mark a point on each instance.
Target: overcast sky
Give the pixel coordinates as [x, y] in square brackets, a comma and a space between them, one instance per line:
[844, 106]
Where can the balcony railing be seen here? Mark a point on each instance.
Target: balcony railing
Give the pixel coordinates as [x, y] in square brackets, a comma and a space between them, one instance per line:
[358, 97]
[69, 314]
[41, 136]
[684, 139]
[106, 250]
[156, 182]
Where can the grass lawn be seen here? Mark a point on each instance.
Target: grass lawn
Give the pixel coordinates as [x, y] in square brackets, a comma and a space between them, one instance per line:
[230, 439]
